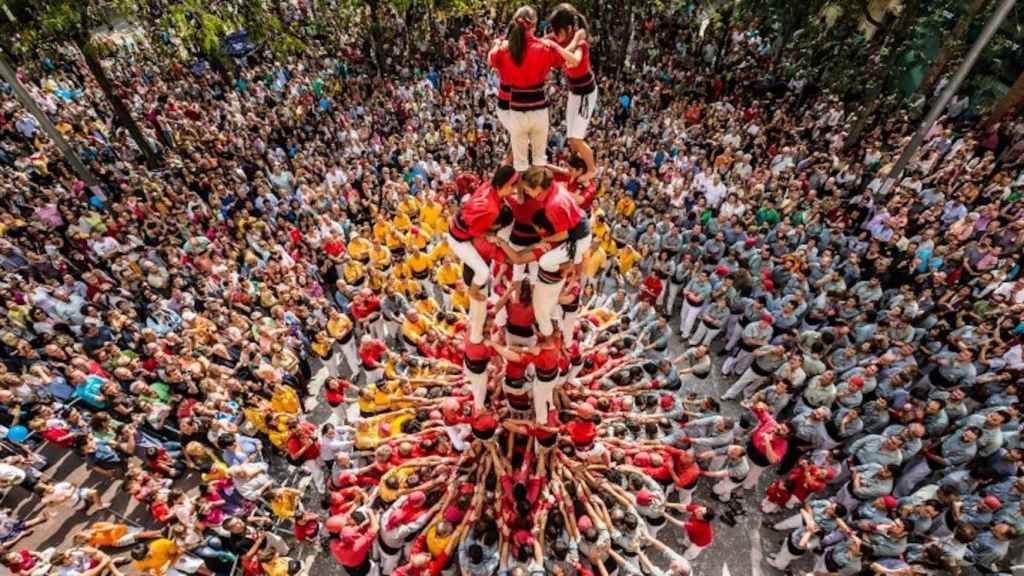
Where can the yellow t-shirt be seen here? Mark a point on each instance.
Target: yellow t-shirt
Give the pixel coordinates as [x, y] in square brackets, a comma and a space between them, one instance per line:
[594, 261]
[402, 222]
[418, 265]
[106, 533]
[338, 326]
[437, 544]
[162, 552]
[412, 331]
[359, 249]
[284, 502]
[625, 207]
[409, 205]
[432, 214]
[380, 257]
[276, 567]
[448, 274]
[427, 307]
[354, 272]
[381, 228]
[627, 258]
[460, 300]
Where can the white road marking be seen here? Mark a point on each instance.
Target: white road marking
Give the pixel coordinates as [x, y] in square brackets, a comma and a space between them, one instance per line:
[756, 556]
[725, 570]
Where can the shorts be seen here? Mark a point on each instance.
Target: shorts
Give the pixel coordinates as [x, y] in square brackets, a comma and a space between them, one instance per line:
[578, 110]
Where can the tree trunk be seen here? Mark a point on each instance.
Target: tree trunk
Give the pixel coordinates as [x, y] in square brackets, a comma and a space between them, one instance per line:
[1008, 103]
[8, 73]
[723, 46]
[122, 115]
[951, 43]
[375, 30]
[888, 30]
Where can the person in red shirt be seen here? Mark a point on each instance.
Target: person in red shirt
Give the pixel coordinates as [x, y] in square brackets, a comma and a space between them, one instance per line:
[562, 223]
[365, 311]
[651, 288]
[352, 548]
[767, 445]
[373, 353]
[477, 216]
[523, 63]
[476, 358]
[569, 29]
[698, 528]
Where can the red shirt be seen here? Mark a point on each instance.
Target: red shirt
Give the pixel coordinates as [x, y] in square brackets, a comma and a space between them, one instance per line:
[760, 435]
[698, 531]
[583, 68]
[371, 352]
[651, 289]
[365, 307]
[525, 81]
[587, 192]
[523, 213]
[560, 213]
[477, 214]
[478, 352]
[352, 554]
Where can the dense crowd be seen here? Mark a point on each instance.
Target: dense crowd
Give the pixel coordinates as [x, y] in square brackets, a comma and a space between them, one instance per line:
[516, 327]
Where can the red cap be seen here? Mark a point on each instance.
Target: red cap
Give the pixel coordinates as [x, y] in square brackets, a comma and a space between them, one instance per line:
[667, 401]
[722, 270]
[644, 497]
[889, 502]
[857, 381]
[751, 241]
[768, 318]
[582, 433]
[484, 423]
[992, 503]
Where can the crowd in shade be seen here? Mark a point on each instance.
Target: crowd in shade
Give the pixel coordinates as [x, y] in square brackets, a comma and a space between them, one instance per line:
[515, 283]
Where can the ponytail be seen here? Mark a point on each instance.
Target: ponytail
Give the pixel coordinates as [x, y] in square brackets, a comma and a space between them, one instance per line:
[523, 22]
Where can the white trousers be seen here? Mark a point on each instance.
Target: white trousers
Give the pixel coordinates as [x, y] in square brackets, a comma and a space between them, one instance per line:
[469, 256]
[724, 487]
[578, 110]
[545, 300]
[543, 399]
[747, 381]
[704, 334]
[528, 133]
[753, 476]
[688, 317]
[792, 523]
[478, 385]
[348, 351]
[784, 557]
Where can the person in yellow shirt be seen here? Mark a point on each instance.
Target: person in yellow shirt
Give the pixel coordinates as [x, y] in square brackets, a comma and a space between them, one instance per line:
[432, 213]
[409, 205]
[447, 274]
[417, 237]
[156, 557]
[401, 222]
[104, 534]
[381, 228]
[625, 206]
[414, 327]
[425, 305]
[380, 256]
[359, 249]
[341, 330]
[459, 298]
[407, 287]
[627, 258]
[418, 267]
[593, 264]
[354, 272]
[395, 241]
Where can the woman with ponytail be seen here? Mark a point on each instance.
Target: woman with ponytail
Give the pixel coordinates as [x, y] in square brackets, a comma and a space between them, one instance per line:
[569, 29]
[523, 63]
